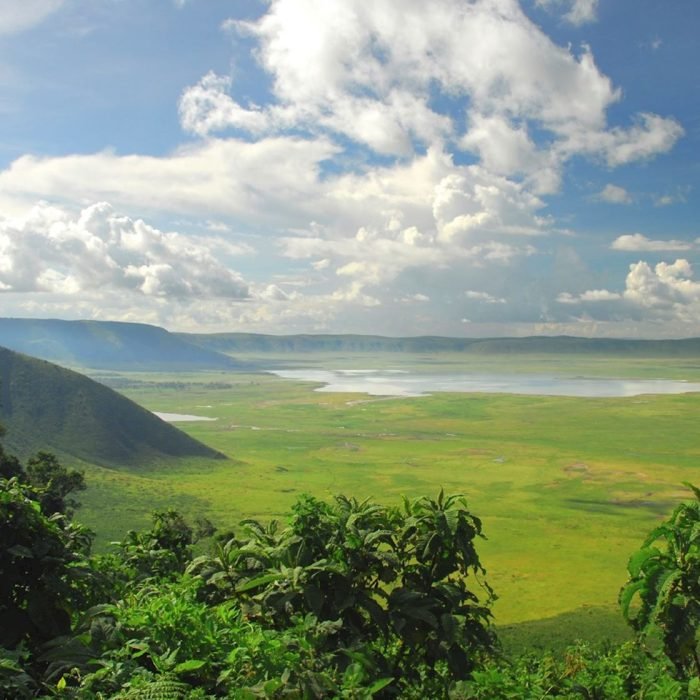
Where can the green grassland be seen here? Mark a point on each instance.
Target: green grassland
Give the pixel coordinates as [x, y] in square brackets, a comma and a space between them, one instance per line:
[567, 488]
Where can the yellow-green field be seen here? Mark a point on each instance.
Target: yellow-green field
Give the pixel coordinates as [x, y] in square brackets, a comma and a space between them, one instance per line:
[566, 487]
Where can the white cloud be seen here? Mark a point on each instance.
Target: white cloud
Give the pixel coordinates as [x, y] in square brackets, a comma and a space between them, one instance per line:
[667, 287]
[273, 292]
[483, 296]
[20, 15]
[365, 233]
[677, 197]
[578, 12]
[265, 180]
[614, 194]
[663, 293]
[53, 250]
[368, 71]
[637, 242]
[206, 108]
[592, 295]
[649, 136]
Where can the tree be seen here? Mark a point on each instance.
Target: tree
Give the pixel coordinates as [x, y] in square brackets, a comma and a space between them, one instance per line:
[41, 560]
[662, 595]
[56, 483]
[395, 584]
[9, 464]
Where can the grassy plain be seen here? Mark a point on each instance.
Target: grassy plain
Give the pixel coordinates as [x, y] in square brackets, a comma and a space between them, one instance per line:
[566, 487]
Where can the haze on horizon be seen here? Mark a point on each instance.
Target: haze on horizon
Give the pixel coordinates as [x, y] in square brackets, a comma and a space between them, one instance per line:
[458, 168]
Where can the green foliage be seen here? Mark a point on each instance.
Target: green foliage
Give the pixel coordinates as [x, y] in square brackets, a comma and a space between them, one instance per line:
[15, 682]
[394, 583]
[582, 671]
[162, 551]
[57, 484]
[662, 596]
[9, 464]
[41, 567]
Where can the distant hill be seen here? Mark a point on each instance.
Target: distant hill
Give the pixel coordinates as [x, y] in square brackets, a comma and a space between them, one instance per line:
[259, 343]
[108, 345]
[44, 406]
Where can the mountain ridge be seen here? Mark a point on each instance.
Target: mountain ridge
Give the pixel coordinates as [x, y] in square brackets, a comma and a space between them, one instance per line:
[108, 345]
[258, 342]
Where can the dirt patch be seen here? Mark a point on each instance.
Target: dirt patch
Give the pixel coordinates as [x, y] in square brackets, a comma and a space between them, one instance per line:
[577, 468]
[349, 446]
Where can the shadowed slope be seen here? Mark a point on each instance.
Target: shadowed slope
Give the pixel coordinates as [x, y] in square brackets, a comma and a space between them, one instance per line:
[44, 406]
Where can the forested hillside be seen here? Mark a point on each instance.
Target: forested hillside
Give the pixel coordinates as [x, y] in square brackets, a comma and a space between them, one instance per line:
[44, 406]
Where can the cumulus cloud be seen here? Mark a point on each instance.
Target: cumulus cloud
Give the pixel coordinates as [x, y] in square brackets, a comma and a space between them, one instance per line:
[53, 250]
[367, 226]
[665, 292]
[614, 194]
[667, 286]
[372, 69]
[20, 15]
[637, 242]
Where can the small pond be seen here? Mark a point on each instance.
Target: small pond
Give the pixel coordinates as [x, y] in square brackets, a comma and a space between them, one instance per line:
[179, 417]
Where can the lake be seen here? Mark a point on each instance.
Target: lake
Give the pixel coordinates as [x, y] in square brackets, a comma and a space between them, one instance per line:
[403, 383]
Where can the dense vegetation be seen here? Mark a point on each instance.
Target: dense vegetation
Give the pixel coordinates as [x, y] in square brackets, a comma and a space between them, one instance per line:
[73, 415]
[351, 599]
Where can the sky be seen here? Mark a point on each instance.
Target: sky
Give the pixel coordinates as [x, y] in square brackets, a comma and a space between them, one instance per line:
[394, 167]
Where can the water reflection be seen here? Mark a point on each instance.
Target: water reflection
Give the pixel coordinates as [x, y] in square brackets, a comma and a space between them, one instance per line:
[402, 383]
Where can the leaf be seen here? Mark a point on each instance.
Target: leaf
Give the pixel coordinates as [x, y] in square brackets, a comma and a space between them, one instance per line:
[190, 665]
[314, 597]
[627, 595]
[259, 581]
[21, 551]
[420, 613]
[379, 684]
[638, 559]
[450, 626]
[694, 489]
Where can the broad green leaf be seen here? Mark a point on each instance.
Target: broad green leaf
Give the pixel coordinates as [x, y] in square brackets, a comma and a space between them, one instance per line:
[379, 684]
[638, 559]
[190, 665]
[259, 581]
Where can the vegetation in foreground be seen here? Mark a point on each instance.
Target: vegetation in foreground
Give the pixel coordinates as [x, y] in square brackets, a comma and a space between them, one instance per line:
[350, 600]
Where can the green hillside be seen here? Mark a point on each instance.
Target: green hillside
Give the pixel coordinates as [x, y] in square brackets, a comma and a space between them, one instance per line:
[43, 406]
[560, 345]
[108, 345]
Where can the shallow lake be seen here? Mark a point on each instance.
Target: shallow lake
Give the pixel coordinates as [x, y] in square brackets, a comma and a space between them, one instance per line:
[402, 383]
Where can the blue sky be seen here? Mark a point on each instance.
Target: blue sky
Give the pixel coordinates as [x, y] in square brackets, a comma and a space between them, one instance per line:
[459, 167]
